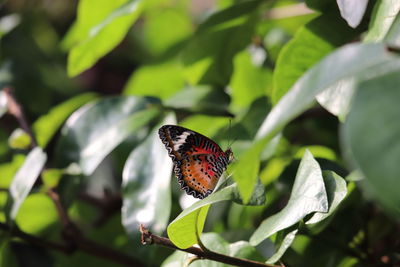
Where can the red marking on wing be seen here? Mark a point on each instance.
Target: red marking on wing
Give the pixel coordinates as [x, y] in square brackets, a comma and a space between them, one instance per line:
[197, 174]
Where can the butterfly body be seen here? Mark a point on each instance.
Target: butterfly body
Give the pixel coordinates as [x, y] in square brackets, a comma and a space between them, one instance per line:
[198, 161]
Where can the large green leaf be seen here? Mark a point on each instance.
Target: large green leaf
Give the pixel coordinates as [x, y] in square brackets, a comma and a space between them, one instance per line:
[354, 60]
[146, 183]
[160, 80]
[24, 180]
[101, 32]
[47, 125]
[336, 191]
[250, 80]
[214, 242]
[370, 136]
[185, 230]
[308, 195]
[384, 13]
[311, 43]
[95, 129]
[208, 57]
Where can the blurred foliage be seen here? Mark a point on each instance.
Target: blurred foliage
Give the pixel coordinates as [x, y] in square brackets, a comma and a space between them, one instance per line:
[304, 92]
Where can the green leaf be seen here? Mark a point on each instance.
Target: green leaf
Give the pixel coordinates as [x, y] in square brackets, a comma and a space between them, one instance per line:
[322, 5]
[283, 246]
[336, 190]
[214, 242]
[95, 129]
[250, 80]
[311, 43]
[146, 183]
[100, 36]
[200, 99]
[19, 139]
[166, 26]
[24, 180]
[308, 195]
[209, 54]
[370, 135]
[354, 60]
[28, 219]
[352, 12]
[383, 15]
[51, 177]
[337, 98]
[393, 36]
[187, 227]
[160, 80]
[47, 125]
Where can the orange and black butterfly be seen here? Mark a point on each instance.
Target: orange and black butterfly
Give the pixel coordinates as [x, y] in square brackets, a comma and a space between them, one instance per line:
[198, 161]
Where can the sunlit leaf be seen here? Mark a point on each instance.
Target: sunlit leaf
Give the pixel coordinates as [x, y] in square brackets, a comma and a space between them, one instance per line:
[146, 183]
[249, 81]
[354, 60]
[95, 129]
[160, 80]
[308, 195]
[47, 125]
[310, 44]
[100, 36]
[352, 12]
[187, 227]
[384, 13]
[283, 246]
[19, 139]
[8, 23]
[370, 136]
[35, 204]
[24, 180]
[3, 103]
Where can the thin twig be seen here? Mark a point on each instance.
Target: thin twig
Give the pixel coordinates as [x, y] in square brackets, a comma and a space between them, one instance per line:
[15, 109]
[149, 238]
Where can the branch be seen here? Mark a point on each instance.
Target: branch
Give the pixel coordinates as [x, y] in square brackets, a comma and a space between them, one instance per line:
[15, 109]
[149, 238]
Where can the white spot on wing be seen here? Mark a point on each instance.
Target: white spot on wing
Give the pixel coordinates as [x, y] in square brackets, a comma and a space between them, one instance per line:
[181, 140]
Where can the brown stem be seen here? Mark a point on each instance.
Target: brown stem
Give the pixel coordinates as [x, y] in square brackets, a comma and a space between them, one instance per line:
[149, 238]
[15, 109]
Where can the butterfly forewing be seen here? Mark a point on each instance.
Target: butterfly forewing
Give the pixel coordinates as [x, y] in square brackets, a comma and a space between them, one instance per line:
[198, 161]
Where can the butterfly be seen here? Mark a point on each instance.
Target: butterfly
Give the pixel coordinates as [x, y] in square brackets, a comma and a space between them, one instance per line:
[198, 161]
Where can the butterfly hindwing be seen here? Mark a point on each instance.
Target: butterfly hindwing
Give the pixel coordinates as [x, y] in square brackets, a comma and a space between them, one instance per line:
[198, 161]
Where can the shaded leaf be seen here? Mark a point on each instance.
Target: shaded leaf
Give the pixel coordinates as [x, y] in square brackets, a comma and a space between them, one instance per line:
[24, 180]
[47, 125]
[187, 227]
[383, 15]
[370, 136]
[200, 99]
[146, 183]
[308, 195]
[95, 129]
[352, 11]
[283, 246]
[101, 36]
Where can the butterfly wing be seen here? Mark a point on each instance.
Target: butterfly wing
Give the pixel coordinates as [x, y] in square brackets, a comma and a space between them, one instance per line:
[198, 161]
